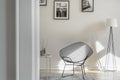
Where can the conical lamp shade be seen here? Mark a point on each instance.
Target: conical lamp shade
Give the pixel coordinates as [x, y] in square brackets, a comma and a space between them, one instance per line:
[112, 22]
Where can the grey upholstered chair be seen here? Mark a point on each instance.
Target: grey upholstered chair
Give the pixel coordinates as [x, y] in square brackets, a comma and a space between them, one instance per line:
[75, 55]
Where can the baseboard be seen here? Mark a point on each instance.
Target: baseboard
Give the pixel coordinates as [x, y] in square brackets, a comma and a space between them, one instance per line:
[68, 71]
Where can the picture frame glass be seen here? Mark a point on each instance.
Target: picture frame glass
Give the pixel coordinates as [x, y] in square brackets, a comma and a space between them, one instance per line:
[61, 9]
[43, 2]
[87, 5]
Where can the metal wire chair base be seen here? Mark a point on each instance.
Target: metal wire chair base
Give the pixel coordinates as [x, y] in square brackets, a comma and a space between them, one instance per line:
[82, 69]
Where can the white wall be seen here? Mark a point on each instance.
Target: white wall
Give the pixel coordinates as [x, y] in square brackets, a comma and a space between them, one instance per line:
[7, 39]
[87, 27]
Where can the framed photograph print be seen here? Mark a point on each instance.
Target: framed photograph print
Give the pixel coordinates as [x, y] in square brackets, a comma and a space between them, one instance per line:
[87, 5]
[43, 2]
[61, 9]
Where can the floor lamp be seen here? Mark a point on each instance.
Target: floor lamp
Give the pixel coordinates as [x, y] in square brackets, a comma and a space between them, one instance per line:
[111, 23]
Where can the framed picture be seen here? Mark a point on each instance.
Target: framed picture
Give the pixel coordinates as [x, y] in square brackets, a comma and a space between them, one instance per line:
[43, 2]
[61, 9]
[87, 5]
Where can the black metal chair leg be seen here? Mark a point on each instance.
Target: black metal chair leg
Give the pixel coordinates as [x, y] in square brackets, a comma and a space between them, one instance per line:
[70, 74]
[63, 71]
[84, 69]
[73, 69]
[83, 73]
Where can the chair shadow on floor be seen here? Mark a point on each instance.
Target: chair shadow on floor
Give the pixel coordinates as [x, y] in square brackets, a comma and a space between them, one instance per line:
[78, 77]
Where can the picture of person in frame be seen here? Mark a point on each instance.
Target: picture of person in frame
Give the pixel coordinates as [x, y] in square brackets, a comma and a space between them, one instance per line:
[61, 12]
[42, 1]
[86, 5]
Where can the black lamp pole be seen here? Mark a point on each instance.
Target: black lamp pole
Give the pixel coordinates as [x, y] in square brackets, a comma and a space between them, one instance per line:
[110, 49]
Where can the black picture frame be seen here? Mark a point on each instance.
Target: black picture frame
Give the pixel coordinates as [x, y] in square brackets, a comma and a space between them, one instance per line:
[87, 5]
[61, 9]
[43, 2]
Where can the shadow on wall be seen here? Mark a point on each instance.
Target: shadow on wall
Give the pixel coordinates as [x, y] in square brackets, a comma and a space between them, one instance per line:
[90, 35]
[98, 34]
[92, 32]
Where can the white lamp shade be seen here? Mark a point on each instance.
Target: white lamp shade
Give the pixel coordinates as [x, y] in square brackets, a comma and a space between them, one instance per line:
[112, 22]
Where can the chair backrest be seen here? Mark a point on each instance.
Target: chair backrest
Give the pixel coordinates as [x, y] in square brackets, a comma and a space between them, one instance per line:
[76, 52]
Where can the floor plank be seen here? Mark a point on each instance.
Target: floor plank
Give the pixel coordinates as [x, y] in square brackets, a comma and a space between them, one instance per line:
[91, 75]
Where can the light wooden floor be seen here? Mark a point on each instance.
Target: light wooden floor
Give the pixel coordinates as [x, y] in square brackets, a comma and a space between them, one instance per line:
[97, 75]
